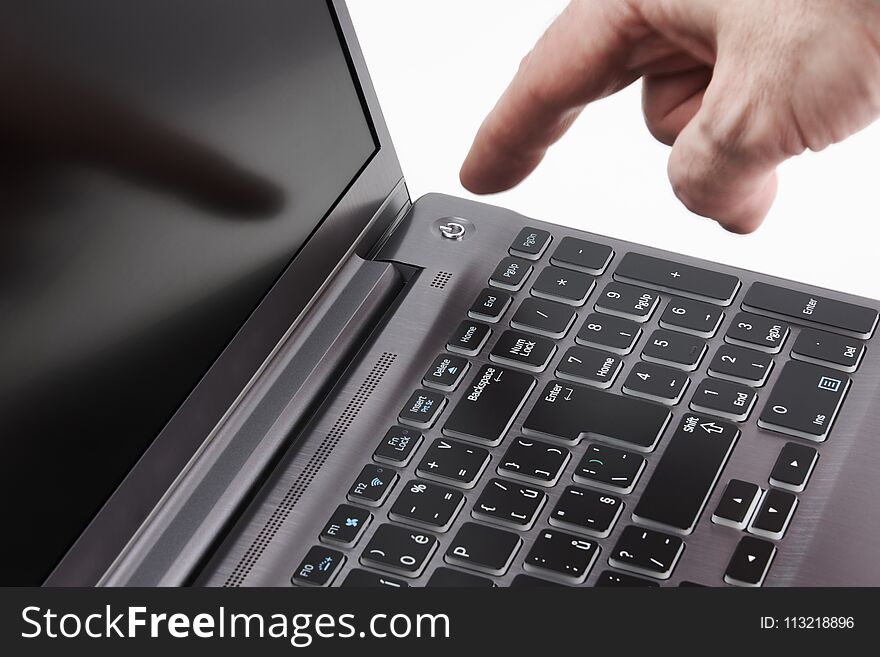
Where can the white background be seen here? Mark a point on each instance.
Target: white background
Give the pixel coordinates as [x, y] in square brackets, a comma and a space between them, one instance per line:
[438, 67]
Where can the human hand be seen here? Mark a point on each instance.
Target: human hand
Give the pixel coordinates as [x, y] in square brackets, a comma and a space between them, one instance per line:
[734, 86]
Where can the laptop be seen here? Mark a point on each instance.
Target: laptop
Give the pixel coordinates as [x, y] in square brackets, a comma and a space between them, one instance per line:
[236, 353]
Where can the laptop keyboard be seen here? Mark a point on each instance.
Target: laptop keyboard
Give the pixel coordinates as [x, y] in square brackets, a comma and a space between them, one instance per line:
[588, 440]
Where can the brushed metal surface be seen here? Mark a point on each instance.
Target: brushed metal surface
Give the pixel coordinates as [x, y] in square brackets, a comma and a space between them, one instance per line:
[834, 538]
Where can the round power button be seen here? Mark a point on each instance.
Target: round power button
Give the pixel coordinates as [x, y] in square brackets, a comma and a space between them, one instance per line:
[452, 230]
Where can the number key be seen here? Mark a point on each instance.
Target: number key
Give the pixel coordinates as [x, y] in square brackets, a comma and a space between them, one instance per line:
[610, 333]
[656, 382]
[399, 550]
[627, 301]
[427, 505]
[741, 365]
[757, 332]
[676, 349]
[695, 317]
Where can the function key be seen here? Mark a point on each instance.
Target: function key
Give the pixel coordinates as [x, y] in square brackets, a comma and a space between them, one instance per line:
[741, 365]
[610, 333]
[687, 280]
[319, 567]
[830, 314]
[610, 579]
[346, 525]
[628, 302]
[805, 401]
[757, 333]
[828, 349]
[360, 578]
[534, 461]
[483, 548]
[793, 467]
[490, 305]
[563, 285]
[445, 372]
[609, 468]
[676, 349]
[750, 562]
[530, 243]
[398, 446]
[427, 505]
[646, 552]
[586, 511]
[656, 382]
[372, 485]
[584, 256]
[775, 513]
[523, 350]
[544, 317]
[509, 504]
[451, 578]
[737, 504]
[453, 462]
[422, 408]
[510, 274]
[590, 366]
[399, 550]
[727, 399]
[564, 555]
[694, 317]
[469, 338]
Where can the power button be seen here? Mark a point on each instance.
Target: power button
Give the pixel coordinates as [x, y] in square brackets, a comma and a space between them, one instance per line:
[452, 230]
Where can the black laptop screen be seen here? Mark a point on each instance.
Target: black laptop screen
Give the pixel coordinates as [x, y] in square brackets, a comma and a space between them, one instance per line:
[161, 163]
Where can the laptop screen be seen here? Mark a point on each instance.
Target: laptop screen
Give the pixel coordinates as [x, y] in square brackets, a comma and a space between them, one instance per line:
[161, 163]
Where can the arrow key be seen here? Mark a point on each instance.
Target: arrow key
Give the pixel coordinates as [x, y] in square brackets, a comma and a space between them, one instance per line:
[793, 467]
[750, 562]
[738, 502]
[775, 513]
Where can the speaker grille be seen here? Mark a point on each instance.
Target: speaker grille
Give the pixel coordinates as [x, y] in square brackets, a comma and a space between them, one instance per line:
[310, 471]
[441, 279]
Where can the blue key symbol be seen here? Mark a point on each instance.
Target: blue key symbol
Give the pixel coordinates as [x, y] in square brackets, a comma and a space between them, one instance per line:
[351, 522]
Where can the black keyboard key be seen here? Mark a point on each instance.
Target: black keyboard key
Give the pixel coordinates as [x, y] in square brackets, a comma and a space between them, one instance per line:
[627, 301]
[511, 273]
[398, 446]
[446, 372]
[346, 525]
[365, 579]
[509, 504]
[674, 349]
[742, 365]
[737, 504]
[455, 579]
[727, 399]
[606, 467]
[793, 467]
[610, 333]
[422, 409]
[584, 256]
[610, 579]
[563, 285]
[830, 314]
[750, 562]
[684, 477]
[399, 550]
[756, 332]
[570, 412]
[694, 317]
[646, 552]
[372, 485]
[488, 408]
[533, 461]
[590, 366]
[490, 305]
[449, 461]
[483, 548]
[530, 243]
[687, 280]
[544, 317]
[563, 555]
[523, 350]
[805, 401]
[656, 382]
[319, 567]
[828, 349]
[527, 581]
[586, 511]
[774, 514]
[469, 338]
[427, 505]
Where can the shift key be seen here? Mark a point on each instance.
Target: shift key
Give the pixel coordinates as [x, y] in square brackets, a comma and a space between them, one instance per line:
[489, 405]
